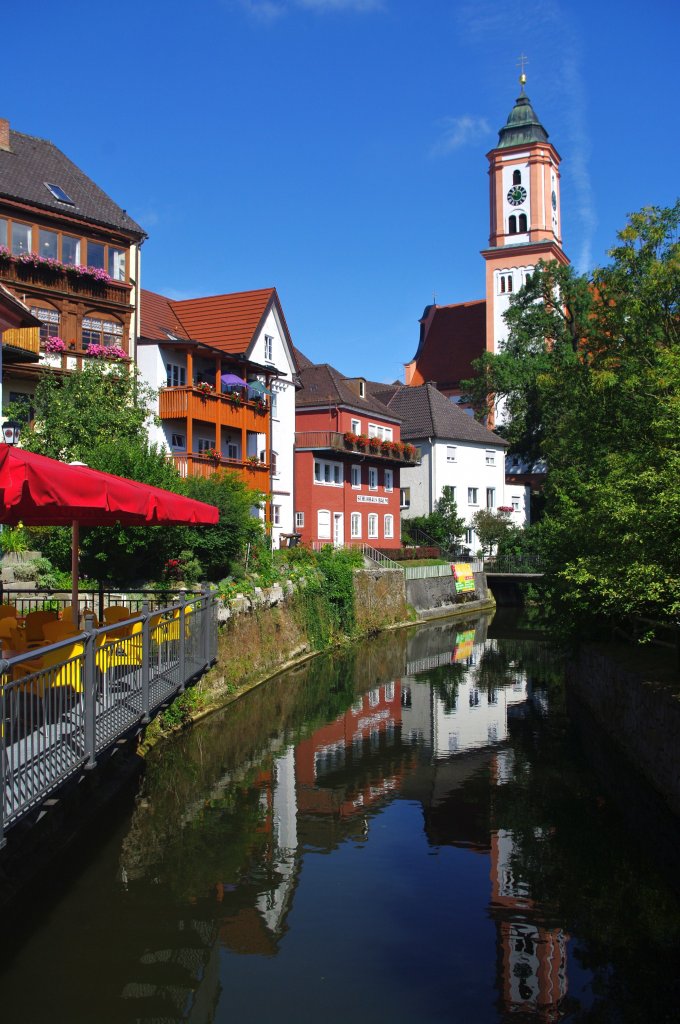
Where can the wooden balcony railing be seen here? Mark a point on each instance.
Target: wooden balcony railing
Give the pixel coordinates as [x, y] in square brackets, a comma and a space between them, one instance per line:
[25, 338]
[335, 441]
[190, 402]
[253, 473]
[64, 282]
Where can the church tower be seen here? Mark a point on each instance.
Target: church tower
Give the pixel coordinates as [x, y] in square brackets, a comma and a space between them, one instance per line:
[525, 221]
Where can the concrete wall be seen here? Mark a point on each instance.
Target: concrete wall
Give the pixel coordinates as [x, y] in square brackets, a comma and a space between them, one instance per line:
[426, 595]
[379, 598]
[641, 717]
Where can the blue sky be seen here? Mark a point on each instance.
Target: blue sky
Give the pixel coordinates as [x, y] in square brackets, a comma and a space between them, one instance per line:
[336, 148]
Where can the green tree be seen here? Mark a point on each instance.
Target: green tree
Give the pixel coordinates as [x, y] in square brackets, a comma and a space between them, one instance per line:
[604, 414]
[443, 524]
[491, 528]
[219, 547]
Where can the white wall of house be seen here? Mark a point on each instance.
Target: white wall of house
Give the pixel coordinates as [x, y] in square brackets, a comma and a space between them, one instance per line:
[475, 471]
[270, 348]
[151, 366]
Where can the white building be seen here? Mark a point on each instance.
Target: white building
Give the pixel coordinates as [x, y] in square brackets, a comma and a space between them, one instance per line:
[456, 452]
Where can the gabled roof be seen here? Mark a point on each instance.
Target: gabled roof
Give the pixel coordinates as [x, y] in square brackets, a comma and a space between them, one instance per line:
[158, 318]
[426, 412]
[322, 384]
[451, 338]
[227, 322]
[31, 162]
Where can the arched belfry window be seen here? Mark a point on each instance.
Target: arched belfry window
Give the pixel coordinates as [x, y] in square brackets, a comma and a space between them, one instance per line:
[509, 282]
[522, 222]
[517, 177]
[502, 282]
[512, 224]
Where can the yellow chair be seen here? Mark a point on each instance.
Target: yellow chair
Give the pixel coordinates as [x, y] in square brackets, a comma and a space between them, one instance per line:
[116, 613]
[7, 611]
[33, 626]
[12, 635]
[173, 623]
[55, 631]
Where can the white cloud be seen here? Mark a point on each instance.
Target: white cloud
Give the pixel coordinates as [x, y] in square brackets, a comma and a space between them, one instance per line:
[458, 132]
[264, 10]
[341, 5]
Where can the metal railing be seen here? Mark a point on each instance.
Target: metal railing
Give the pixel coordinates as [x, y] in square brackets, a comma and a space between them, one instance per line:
[96, 600]
[63, 704]
[428, 572]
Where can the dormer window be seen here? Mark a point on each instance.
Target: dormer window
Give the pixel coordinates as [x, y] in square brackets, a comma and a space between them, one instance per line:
[362, 389]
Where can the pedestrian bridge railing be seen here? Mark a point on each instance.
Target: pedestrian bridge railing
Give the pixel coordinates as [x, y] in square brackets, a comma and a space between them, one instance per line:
[63, 704]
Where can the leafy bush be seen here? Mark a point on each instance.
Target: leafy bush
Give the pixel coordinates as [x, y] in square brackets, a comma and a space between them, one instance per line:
[13, 539]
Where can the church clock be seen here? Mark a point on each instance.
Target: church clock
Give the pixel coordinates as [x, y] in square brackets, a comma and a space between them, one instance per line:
[516, 195]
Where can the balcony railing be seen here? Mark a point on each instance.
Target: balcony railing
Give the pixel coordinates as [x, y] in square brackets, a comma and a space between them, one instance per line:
[335, 441]
[25, 338]
[253, 471]
[190, 401]
[63, 281]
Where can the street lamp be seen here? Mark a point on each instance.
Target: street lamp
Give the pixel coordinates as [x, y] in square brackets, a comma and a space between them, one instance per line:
[10, 431]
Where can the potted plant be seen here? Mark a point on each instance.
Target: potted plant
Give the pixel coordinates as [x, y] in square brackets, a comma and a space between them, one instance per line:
[409, 451]
[55, 345]
[386, 447]
[204, 387]
[396, 447]
[253, 460]
[361, 441]
[374, 443]
[235, 398]
[350, 438]
[213, 454]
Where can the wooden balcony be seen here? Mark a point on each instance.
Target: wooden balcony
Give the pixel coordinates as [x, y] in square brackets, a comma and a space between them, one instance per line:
[333, 440]
[21, 340]
[253, 473]
[221, 409]
[63, 282]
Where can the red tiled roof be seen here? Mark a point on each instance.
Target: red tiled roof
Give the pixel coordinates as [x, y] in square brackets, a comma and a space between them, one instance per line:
[158, 318]
[456, 336]
[227, 322]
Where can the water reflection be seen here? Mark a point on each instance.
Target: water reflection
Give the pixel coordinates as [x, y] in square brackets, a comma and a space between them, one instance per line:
[466, 847]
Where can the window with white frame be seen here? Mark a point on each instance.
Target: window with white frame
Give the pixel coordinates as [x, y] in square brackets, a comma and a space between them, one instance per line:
[356, 426]
[389, 480]
[116, 266]
[405, 497]
[21, 238]
[178, 441]
[299, 520]
[376, 430]
[48, 242]
[490, 458]
[473, 494]
[232, 450]
[372, 526]
[323, 524]
[268, 347]
[273, 457]
[327, 473]
[355, 472]
[451, 451]
[491, 497]
[515, 502]
[388, 527]
[355, 524]
[469, 536]
[274, 404]
[276, 515]
[372, 478]
[204, 444]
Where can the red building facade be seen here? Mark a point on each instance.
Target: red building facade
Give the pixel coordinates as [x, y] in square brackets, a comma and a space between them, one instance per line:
[348, 454]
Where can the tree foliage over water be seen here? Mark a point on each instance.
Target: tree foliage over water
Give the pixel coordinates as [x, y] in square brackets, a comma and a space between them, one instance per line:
[600, 404]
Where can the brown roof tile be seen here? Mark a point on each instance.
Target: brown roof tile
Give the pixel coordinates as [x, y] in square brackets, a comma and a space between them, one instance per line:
[456, 335]
[158, 318]
[426, 412]
[31, 162]
[322, 384]
[227, 322]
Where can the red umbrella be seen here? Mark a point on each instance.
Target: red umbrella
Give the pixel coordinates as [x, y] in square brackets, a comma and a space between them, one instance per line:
[38, 491]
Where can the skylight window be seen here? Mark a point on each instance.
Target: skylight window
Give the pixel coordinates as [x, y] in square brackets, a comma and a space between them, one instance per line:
[59, 193]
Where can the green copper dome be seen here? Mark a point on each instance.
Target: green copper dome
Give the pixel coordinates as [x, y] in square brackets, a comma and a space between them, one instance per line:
[522, 127]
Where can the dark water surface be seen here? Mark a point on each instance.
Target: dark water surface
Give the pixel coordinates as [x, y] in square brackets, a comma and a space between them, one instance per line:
[409, 833]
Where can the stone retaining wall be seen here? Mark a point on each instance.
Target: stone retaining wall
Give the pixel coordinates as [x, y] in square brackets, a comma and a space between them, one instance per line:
[641, 717]
[439, 594]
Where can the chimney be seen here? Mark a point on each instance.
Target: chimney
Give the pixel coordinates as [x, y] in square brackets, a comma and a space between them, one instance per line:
[4, 134]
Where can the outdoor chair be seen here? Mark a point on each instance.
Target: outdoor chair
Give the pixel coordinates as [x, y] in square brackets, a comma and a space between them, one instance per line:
[116, 613]
[7, 611]
[55, 631]
[33, 627]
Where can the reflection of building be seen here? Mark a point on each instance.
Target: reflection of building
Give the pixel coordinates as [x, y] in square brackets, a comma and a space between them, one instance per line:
[532, 959]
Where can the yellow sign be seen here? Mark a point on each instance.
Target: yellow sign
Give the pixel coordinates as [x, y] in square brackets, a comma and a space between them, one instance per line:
[464, 645]
[464, 579]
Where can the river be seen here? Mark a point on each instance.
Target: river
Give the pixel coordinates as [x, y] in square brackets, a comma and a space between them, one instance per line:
[414, 831]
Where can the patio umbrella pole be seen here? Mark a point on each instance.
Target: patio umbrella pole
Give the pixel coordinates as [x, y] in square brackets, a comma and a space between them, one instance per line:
[75, 544]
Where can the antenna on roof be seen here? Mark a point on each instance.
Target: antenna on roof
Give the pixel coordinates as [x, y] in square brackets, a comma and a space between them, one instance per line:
[434, 297]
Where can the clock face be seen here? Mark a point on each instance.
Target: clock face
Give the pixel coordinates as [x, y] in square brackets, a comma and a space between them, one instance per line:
[554, 200]
[516, 195]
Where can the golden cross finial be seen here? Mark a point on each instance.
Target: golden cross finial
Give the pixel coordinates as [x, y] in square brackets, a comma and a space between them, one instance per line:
[520, 64]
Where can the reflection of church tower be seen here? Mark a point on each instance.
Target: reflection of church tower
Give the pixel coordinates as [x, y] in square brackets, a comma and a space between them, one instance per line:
[531, 957]
[525, 222]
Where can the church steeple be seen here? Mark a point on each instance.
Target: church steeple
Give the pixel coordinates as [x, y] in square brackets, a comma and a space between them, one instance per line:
[524, 210]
